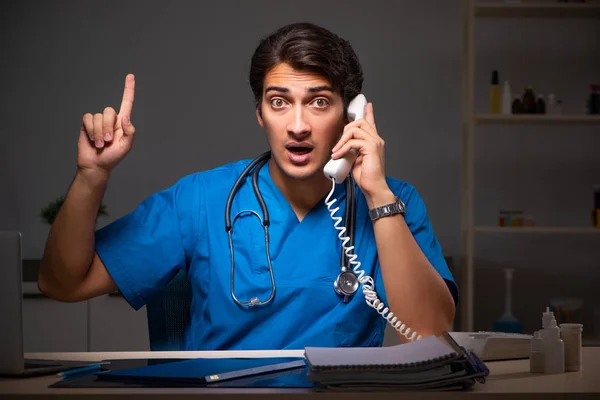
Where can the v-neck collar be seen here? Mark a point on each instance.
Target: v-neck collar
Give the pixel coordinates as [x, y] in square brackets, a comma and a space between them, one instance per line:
[283, 205]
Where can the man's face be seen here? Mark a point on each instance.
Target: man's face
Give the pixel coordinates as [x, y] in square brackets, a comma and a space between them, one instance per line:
[303, 119]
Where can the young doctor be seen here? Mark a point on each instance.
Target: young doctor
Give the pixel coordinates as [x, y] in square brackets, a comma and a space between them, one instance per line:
[250, 292]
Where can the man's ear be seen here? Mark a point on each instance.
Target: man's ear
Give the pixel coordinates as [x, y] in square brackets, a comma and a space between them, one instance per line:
[346, 120]
[259, 115]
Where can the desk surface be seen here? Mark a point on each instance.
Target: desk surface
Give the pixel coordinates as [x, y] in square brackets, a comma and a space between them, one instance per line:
[505, 377]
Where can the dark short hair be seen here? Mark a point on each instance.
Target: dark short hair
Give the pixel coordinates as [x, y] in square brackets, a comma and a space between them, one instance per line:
[308, 47]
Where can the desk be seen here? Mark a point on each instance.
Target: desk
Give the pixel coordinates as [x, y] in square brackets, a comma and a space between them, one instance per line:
[510, 377]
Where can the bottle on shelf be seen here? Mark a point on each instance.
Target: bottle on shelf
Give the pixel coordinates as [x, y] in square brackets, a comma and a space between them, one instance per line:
[495, 94]
[529, 101]
[506, 99]
[540, 104]
[517, 105]
[593, 102]
[552, 105]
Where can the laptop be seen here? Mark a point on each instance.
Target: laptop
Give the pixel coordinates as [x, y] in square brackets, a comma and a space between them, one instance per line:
[12, 360]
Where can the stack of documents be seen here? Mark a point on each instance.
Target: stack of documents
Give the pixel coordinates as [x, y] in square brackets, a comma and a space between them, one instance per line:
[430, 363]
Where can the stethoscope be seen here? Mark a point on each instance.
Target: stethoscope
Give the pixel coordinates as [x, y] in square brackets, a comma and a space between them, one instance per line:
[346, 283]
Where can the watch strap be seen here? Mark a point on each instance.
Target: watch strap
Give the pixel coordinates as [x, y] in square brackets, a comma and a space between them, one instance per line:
[387, 210]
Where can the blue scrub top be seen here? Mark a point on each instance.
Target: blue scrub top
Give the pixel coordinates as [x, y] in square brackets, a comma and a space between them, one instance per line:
[183, 228]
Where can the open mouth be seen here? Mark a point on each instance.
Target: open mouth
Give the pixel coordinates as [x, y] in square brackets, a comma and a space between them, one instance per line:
[299, 150]
[299, 153]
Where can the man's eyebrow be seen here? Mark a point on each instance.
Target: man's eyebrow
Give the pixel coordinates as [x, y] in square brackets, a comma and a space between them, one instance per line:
[311, 90]
[320, 88]
[277, 89]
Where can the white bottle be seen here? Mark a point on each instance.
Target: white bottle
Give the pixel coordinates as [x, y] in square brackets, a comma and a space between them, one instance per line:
[547, 317]
[536, 355]
[506, 99]
[554, 350]
[571, 336]
[553, 105]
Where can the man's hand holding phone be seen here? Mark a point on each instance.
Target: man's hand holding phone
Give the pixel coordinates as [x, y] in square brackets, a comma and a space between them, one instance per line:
[106, 138]
[369, 168]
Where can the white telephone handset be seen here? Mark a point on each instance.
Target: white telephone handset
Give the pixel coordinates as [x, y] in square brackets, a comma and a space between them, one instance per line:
[339, 169]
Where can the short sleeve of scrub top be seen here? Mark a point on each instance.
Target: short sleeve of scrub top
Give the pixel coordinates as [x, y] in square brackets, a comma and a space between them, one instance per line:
[420, 226]
[143, 250]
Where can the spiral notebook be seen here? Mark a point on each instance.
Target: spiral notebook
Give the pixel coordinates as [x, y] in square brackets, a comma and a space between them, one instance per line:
[427, 352]
[429, 363]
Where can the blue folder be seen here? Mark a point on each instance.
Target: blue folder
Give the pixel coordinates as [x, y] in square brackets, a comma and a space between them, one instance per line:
[202, 371]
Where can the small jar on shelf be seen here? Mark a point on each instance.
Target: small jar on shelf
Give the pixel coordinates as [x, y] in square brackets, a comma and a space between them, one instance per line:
[517, 105]
[553, 105]
[540, 104]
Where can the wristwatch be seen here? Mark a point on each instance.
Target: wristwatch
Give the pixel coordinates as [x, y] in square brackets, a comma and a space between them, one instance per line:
[389, 209]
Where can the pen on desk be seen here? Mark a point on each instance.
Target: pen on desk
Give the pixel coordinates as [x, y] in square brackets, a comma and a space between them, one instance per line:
[77, 371]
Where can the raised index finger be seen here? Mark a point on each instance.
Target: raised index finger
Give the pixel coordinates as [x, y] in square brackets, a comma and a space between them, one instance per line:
[128, 95]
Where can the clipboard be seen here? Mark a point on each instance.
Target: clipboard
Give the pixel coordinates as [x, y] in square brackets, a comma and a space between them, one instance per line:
[201, 371]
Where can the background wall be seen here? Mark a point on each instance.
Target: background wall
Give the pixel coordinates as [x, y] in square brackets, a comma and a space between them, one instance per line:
[194, 110]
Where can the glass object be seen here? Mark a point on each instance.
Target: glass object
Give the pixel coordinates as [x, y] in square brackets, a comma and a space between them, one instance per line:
[508, 322]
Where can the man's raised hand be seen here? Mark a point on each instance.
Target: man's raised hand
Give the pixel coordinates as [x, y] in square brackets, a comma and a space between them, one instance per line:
[106, 138]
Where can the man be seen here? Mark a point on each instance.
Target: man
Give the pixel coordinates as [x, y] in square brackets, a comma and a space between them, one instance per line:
[303, 78]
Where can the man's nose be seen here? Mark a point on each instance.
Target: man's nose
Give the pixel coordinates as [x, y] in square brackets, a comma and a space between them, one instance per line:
[298, 126]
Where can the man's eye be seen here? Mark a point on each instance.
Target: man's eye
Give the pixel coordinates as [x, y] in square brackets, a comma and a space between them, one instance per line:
[321, 103]
[277, 103]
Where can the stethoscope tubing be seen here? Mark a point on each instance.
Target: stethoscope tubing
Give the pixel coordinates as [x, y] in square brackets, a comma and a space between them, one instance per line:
[254, 167]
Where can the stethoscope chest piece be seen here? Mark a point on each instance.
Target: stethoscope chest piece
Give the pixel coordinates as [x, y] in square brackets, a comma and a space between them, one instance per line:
[346, 285]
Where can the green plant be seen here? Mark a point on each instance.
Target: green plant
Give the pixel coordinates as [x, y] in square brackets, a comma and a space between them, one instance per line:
[49, 213]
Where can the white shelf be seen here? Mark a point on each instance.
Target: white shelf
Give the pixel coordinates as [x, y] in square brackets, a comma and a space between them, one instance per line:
[537, 10]
[538, 229]
[537, 119]
[526, 11]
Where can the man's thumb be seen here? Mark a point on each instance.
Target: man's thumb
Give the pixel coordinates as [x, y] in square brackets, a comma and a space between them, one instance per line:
[128, 128]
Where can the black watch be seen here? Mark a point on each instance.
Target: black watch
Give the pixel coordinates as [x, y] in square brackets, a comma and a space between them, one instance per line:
[389, 209]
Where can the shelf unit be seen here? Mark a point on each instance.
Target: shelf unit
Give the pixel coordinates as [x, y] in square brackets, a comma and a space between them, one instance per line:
[481, 119]
[471, 11]
[536, 9]
[537, 229]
